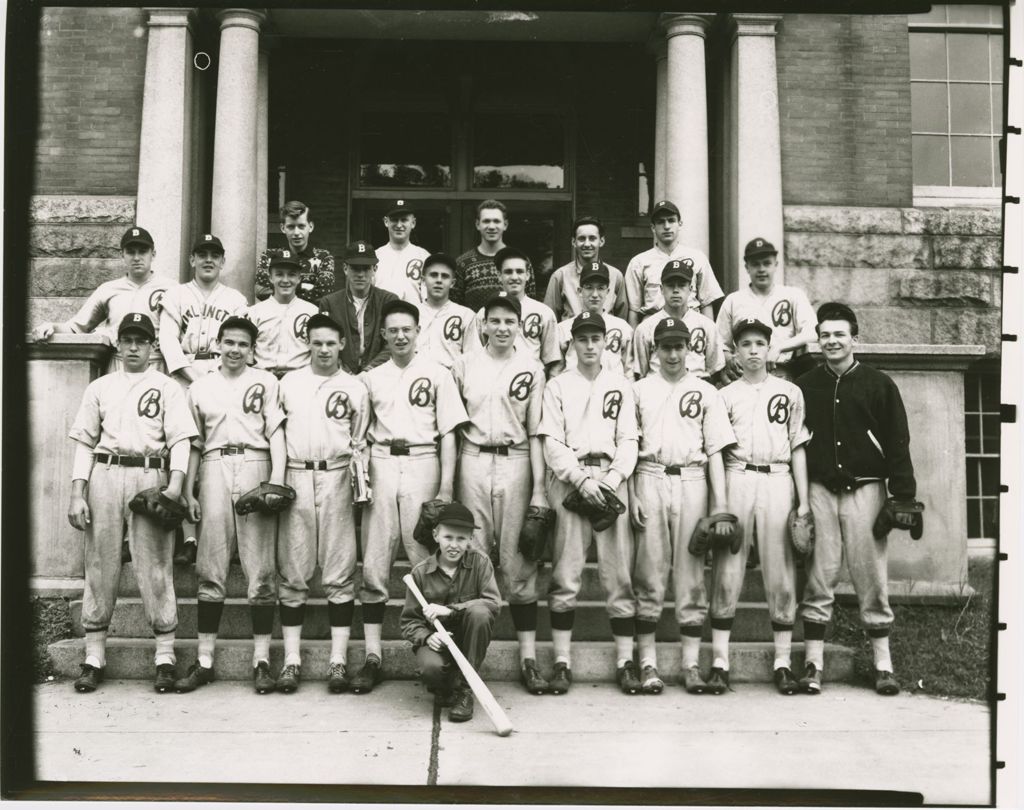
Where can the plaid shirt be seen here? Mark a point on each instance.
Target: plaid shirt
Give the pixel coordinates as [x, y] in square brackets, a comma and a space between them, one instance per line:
[317, 266]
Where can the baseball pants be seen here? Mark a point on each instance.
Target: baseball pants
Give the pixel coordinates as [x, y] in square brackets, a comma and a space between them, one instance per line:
[674, 504]
[573, 536]
[400, 486]
[110, 490]
[842, 527]
[318, 529]
[471, 632]
[496, 489]
[222, 480]
[761, 501]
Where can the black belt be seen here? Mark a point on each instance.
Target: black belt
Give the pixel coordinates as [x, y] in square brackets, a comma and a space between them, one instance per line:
[592, 461]
[761, 468]
[315, 465]
[673, 469]
[231, 450]
[496, 449]
[206, 356]
[398, 449]
[152, 462]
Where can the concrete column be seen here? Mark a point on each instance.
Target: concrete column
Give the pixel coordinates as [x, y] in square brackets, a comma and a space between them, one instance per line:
[660, 48]
[686, 112]
[162, 205]
[233, 215]
[262, 154]
[758, 153]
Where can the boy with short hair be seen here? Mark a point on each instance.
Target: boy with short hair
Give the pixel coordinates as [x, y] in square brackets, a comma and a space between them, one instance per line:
[281, 344]
[400, 263]
[563, 291]
[443, 323]
[592, 294]
[316, 264]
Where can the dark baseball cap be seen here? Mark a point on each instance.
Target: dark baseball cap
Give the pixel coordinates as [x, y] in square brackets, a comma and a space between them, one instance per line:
[440, 258]
[285, 258]
[503, 299]
[455, 514]
[238, 322]
[136, 236]
[677, 270]
[759, 247]
[400, 207]
[671, 328]
[751, 325]
[587, 322]
[664, 205]
[207, 240]
[360, 253]
[136, 322]
[398, 305]
[595, 271]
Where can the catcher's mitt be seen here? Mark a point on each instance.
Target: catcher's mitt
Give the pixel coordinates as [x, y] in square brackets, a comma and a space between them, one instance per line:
[533, 538]
[801, 532]
[704, 536]
[897, 514]
[600, 518]
[152, 503]
[423, 532]
[267, 498]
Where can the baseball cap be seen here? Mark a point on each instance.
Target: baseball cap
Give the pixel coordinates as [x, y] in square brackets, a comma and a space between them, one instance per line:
[664, 205]
[285, 258]
[671, 328]
[503, 299]
[238, 322]
[440, 258]
[136, 322]
[677, 270]
[455, 514]
[398, 305]
[400, 207]
[360, 253]
[587, 322]
[595, 271]
[759, 247]
[207, 240]
[751, 325]
[136, 236]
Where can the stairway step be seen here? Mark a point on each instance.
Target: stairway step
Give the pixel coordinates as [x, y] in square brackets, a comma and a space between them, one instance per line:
[592, 661]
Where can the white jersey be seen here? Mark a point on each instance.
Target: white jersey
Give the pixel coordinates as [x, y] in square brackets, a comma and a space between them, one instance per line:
[681, 423]
[617, 356]
[767, 418]
[643, 278]
[563, 291]
[190, 319]
[281, 342]
[538, 332]
[503, 397]
[786, 310]
[326, 416]
[443, 331]
[401, 271]
[104, 310]
[704, 358]
[242, 411]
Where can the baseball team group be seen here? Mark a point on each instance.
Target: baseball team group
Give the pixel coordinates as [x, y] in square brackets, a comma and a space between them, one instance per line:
[434, 404]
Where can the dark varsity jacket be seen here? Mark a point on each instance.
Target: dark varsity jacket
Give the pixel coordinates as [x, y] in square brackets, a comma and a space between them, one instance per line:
[340, 307]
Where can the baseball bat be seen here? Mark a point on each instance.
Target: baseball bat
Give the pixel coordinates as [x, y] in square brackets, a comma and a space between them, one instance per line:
[502, 725]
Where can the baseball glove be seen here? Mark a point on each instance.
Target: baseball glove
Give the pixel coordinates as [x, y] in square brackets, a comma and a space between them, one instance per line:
[267, 498]
[898, 514]
[801, 532]
[600, 518]
[704, 536]
[152, 503]
[424, 529]
[533, 538]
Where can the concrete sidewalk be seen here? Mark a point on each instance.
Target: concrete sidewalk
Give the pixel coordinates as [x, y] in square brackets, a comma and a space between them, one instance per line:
[846, 738]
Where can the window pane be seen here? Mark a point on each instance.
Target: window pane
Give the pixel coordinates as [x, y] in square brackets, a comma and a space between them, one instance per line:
[972, 161]
[973, 425]
[995, 50]
[990, 518]
[990, 439]
[974, 519]
[968, 56]
[936, 15]
[973, 477]
[927, 56]
[997, 108]
[990, 476]
[989, 392]
[391, 156]
[970, 108]
[519, 151]
[969, 14]
[931, 160]
[929, 107]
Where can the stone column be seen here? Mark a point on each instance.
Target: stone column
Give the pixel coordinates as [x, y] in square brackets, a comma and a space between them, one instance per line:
[686, 113]
[233, 216]
[660, 48]
[164, 167]
[758, 148]
[262, 154]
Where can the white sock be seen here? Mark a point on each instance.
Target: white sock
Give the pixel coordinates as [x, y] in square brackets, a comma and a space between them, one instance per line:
[371, 632]
[164, 648]
[814, 653]
[647, 649]
[260, 649]
[339, 644]
[292, 634]
[561, 641]
[720, 648]
[880, 647]
[691, 651]
[96, 648]
[783, 649]
[207, 641]
[623, 650]
[527, 644]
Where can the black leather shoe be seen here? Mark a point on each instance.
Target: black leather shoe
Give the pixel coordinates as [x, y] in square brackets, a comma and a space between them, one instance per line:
[785, 682]
[337, 679]
[164, 681]
[886, 683]
[650, 681]
[262, 680]
[369, 675]
[90, 678]
[531, 678]
[196, 676]
[811, 681]
[288, 680]
[718, 681]
[629, 683]
[462, 705]
[561, 678]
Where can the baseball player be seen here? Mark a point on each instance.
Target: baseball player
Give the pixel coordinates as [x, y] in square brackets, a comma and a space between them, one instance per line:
[476, 279]
[239, 446]
[325, 410]
[400, 262]
[538, 332]
[704, 356]
[138, 290]
[589, 431]
[502, 462]
[643, 273]
[132, 427]
[785, 309]
[563, 291]
[764, 469]
[281, 344]
[593, 295]
[317, 264]
[414, 410]
[683, 427]
[860, 443]
[442, 322]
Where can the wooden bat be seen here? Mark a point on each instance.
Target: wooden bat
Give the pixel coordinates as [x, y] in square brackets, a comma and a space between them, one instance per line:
[502, 725]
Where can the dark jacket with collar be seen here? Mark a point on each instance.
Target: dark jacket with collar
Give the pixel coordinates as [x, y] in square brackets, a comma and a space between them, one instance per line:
[340, 307]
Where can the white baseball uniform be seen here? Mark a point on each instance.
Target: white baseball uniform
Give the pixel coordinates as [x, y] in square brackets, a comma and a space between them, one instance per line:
[643, 278]
[281, 343]
[442, 331]
[401, 271]
[617, 356]
[704, 358]
[563, 296]
[538, 331]
[786, 310]
[189, 321]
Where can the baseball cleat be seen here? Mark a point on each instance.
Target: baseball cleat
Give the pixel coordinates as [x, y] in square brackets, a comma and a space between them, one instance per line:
[718, 681]
[561, 678]
[650, 682]
[811, 681]
[886, 683]
[785, 682]
[288, 680]
[196, 676]
[629, 683]
[532, 679]
[369, 675]
[337, 679]
[90, 678]
[693, 681]
[462, 705]
[262, 680]
[164, 681]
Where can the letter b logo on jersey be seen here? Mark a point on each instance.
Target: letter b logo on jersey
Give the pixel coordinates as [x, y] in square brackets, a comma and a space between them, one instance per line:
[782, 313]
[155, 299]
[611, 405]
[453, 328]
[419, 392]
[689, 404]
[299, 326]
[337, 406]
[531, 326]
[252, 402]
[414, 269]
[149, 403]
[519, 388]
[698, 340]
[778, 409]
[614, 340]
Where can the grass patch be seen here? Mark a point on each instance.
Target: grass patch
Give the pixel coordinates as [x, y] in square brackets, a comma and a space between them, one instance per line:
[51, 621]
[936, 649]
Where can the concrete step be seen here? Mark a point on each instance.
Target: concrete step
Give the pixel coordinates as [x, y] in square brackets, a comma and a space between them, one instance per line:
[592, 661]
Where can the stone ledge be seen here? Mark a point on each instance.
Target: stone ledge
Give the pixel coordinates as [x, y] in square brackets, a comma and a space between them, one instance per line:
[88, 346]
[926, 221]
[57, 208]
[76, 240]
[915, 356]
[69, 277]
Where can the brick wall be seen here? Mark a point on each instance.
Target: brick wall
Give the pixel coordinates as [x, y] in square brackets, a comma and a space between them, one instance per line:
[844, 102]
